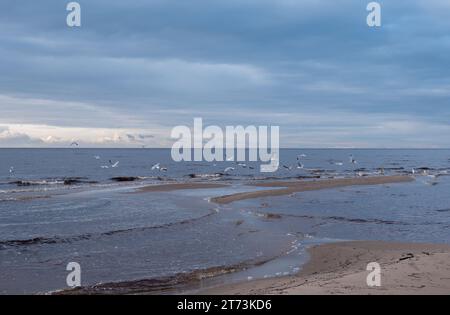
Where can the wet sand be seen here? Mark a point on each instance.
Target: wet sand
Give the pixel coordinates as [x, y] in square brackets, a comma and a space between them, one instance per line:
[340, 268]
[299, 186]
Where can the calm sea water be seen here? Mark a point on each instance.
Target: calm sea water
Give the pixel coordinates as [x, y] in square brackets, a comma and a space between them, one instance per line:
[64, 205]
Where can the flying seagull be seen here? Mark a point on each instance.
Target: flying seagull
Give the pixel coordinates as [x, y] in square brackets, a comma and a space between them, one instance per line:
[228, 169]
[300, 165]
[156, 166]
[114, 165]
[11, 170]
[74, 143]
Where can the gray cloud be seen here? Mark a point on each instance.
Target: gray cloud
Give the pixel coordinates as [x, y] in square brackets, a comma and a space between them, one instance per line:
[133, 64]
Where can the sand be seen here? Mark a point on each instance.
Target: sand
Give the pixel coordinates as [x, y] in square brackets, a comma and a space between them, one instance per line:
[340, 268]
[299, 186]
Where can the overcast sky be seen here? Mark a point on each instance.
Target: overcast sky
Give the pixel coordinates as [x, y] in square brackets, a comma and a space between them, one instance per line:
[135, 69]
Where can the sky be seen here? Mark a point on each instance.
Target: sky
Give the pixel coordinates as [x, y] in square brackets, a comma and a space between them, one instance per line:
[136, 69]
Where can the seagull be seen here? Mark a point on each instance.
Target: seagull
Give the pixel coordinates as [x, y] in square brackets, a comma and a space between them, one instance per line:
[114, 165]
[74, 143]
[287, 167]
[300, 165]
[104, 166]
[156, 166]
[11, 170]
[96, 157]
[413, 171]
[163, 169]
[228, 169]
[339, 163]
[352, 159]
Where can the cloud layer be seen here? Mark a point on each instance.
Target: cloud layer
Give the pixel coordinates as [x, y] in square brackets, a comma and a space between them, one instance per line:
[135, 69]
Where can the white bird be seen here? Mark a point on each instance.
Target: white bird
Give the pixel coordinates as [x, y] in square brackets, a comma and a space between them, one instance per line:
[352, 159]
[300, 165]
[116, 164]
[96, 157]
[11, 170]
[163, 169]
[413, 171]
[104, 166]
[156, 166]
[339, 163]
[229, 169]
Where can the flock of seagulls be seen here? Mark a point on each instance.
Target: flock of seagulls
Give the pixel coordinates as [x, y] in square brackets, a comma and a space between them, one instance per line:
[227, 170]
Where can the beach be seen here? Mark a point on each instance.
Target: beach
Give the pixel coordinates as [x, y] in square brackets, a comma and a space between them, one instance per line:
[196, 229]
[340, 268]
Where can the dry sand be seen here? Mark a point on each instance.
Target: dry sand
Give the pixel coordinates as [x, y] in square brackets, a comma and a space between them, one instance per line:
[340, 268]
[299, 186]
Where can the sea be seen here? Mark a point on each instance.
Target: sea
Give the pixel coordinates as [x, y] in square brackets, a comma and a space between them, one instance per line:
[79, 205]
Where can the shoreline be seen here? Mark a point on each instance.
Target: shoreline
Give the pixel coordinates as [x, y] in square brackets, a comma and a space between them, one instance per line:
[340, 268]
